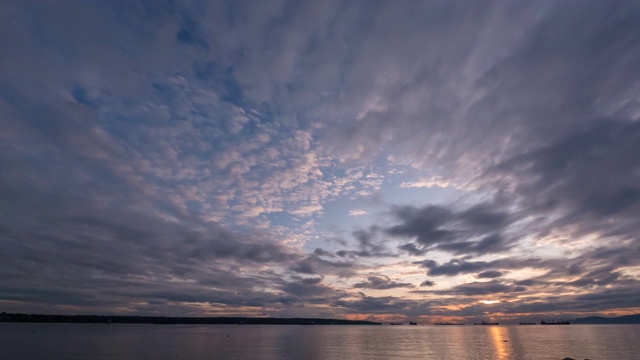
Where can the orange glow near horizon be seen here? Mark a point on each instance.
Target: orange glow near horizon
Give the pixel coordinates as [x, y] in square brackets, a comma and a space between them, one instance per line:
[489, 302]
[375, 317]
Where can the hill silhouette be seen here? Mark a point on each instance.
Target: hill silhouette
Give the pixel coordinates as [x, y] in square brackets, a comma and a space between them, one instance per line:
[627, 319]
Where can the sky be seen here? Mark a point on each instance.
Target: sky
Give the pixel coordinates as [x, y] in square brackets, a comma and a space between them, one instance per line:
[380, 160]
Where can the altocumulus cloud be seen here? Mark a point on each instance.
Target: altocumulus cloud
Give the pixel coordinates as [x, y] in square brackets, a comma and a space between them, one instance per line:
[301, 158]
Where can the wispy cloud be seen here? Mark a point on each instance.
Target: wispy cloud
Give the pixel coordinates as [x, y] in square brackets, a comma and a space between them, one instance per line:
[357, 212]
[426, 183]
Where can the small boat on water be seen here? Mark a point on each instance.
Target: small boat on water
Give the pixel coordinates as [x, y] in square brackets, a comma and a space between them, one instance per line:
[448, 324]
[555, 322]
[527, 323]
[395, 323]
[486, 323]
[413, 323]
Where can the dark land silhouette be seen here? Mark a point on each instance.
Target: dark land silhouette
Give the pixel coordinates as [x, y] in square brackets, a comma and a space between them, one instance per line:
[627, 319]
[120, 319]
[107, 319]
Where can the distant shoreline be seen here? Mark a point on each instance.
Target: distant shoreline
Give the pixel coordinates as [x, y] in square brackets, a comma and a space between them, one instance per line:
[164, 320]
[238, 320]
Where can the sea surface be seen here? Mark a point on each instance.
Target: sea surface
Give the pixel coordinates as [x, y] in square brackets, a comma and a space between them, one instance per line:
[22, 341]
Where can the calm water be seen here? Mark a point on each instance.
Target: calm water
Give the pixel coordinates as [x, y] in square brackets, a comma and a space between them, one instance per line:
[187, 342]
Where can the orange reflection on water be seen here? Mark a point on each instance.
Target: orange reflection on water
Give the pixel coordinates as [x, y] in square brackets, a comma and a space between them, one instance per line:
[498, 336]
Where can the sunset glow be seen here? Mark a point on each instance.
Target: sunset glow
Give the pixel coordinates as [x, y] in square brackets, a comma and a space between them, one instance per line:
[489, 302]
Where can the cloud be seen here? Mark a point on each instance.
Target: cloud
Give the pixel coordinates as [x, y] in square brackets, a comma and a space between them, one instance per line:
[458, 266]
[489, 244]
[309, 287]
[187, 153]
[427, 283]
[454, 267]
[357, 212]
[490, 274]
[313, 264]
[486, 288]
[426, 183]
[322, 252]
[381, 283]
[188, 33]
[382, 305]
[587, 177]
[446, 229]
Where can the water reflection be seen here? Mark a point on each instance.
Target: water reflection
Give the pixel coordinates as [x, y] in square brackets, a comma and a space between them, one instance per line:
[498, 336]
[132, 342]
